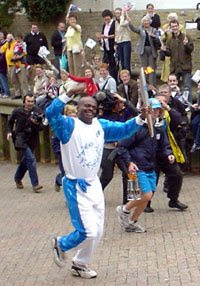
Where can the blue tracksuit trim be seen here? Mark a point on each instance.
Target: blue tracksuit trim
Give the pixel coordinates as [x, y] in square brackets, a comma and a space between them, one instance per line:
[76, 237]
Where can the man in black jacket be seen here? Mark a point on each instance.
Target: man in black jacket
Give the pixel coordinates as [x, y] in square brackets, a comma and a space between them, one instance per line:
[57, 42]
[34, 40]
[23, 126]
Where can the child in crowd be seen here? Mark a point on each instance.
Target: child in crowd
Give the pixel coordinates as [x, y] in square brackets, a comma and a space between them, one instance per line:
[19, 54]
[140, 152]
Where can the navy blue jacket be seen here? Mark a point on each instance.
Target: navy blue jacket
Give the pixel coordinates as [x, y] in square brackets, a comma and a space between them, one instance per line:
[143, 150]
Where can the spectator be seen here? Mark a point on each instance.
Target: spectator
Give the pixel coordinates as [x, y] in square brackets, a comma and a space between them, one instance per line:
[91, 87]
[19, 80]
[106, 81]
[74, 45]
[27, 122]
[95, 65]
[155, 18]
[123, 38]
[58, 42]
[128, 88]
[108, 37]
[4, 86]
[66, 83]
[165, 37]
[195, 122]
[147, 46]
[41, 79]
[181, 61]
[34, 40]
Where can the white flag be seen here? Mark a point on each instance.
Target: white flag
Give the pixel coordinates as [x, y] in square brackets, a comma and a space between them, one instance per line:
[90, 43]
[73, 8]
[43, 52]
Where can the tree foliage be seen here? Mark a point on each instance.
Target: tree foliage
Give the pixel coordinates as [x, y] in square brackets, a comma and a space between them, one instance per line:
[7, 12]
[44, 10]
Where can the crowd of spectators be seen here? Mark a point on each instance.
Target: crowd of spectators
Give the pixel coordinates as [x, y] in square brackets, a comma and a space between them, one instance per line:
[108, 79]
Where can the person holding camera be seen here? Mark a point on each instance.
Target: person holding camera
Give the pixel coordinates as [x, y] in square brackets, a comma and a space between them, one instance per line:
[24, 125]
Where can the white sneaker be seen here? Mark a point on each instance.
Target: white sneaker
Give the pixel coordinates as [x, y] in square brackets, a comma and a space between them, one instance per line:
[82, 271]
[45, 122]
[17, 70]
[123, 217]
[59, 255]
[135, 227]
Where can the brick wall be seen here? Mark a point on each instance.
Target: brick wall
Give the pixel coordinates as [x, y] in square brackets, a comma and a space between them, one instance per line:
[92, 23]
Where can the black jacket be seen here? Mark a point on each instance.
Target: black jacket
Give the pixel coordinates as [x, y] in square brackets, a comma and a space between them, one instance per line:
[143, 150]
[34, 42]
[20, 119]
[56, 43]
[110, 41]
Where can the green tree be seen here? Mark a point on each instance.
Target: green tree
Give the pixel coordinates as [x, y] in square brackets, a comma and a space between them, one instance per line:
[44, 10]
[7, 12]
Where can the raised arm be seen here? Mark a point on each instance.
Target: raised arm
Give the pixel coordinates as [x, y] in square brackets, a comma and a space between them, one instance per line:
[115, 131]
[62, 126]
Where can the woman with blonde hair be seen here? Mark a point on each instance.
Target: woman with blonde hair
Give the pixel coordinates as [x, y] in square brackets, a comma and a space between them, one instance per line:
[165, 37]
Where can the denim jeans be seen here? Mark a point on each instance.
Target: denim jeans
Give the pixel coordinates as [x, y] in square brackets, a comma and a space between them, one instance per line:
[4, 84]
[28, 163]
[124, 50]
[196, 128]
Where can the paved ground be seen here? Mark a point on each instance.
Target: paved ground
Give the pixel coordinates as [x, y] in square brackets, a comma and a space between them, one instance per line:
[168, 254]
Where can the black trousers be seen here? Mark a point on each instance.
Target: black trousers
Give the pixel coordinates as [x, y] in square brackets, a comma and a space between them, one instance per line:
[107, 165]
[174, 178]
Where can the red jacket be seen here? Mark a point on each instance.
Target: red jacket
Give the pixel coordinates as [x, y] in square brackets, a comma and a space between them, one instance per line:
[90, 85]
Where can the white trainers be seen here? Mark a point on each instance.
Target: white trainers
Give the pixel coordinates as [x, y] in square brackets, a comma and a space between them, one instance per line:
[58, 254]
[123, 217]
[82, 271]
[17, 70]
[135, 227]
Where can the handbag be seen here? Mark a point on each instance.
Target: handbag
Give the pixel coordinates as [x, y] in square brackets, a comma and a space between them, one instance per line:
[63, 62]
[156, 43]
[162, 56]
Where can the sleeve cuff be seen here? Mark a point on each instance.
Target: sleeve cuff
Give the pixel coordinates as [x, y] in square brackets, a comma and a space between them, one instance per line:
[139, 120]
[64, 98]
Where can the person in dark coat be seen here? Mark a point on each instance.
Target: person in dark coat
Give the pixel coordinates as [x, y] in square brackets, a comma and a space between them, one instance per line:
[57, 42]
[34, 40]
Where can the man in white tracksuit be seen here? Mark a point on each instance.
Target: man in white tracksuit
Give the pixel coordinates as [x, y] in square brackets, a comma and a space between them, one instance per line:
[82, 141]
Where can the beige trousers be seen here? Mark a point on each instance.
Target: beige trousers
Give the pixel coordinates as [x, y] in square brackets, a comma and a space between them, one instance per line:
[74, 63]
[19, 81]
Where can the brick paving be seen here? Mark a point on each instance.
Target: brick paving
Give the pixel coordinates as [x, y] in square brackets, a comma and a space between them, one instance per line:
[168, 254]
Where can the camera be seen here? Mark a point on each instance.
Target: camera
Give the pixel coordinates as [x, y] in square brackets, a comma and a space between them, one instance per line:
[105, 99]
[37, 117]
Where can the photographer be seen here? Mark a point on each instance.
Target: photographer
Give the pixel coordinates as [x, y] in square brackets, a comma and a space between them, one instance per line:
[23, 126]
[114, 108]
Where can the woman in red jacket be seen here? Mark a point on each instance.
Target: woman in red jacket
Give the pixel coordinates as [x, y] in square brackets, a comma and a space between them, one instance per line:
[91, 86]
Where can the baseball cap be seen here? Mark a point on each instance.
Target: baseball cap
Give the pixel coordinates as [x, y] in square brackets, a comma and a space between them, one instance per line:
[155, 103]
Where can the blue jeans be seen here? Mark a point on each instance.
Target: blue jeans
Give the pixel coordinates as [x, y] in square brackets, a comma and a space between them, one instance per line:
[4, 84]
[124, 50]
[196, 128]
[28, 163]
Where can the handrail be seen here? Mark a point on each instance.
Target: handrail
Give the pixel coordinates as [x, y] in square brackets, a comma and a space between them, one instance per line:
[197, 7]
